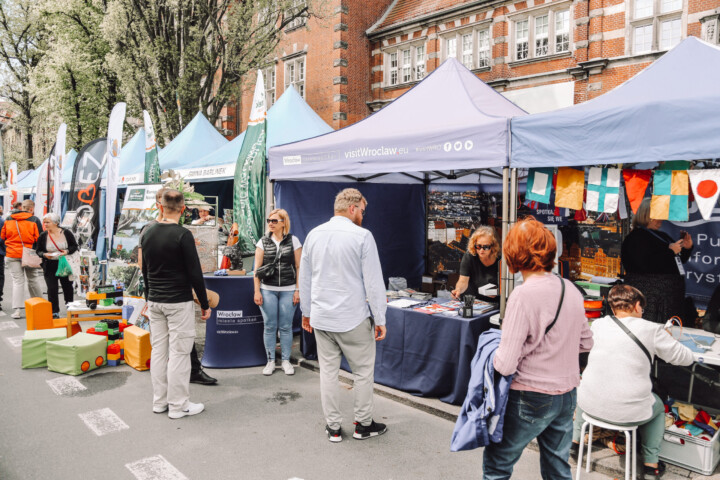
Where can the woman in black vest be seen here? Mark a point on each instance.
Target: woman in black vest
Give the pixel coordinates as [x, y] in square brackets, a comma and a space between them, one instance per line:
[53, 243]
[278, 295]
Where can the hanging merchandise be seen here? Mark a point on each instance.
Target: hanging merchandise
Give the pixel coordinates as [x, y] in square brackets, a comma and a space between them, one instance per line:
[636, 182]
[670, 195]
[603, 189]
[539, 184]
[570, 187]
[706, 187]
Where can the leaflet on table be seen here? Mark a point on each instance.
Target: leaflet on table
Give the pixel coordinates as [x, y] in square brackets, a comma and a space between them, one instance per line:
[403, 303]
[433, 309]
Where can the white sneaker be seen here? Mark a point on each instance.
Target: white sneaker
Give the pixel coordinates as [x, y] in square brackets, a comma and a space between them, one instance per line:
[16, 313]
[269, 368]
[288, 368]
[192, 409]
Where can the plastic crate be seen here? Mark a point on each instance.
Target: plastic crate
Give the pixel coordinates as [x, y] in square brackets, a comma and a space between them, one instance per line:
[693, 453]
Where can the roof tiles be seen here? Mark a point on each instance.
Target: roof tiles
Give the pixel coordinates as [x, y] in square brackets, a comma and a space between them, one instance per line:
[405, 10]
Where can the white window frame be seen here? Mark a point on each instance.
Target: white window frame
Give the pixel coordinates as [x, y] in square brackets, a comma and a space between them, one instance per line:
[562, 41]
[662, 11]
[297, 21]
[270, 79]
[295, 74]
[404, 63]
[536, 50]
[484, 50]
[467, 42]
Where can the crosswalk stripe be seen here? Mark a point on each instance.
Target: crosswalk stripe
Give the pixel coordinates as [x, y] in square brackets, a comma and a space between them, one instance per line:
[103, 421]
[155, 468]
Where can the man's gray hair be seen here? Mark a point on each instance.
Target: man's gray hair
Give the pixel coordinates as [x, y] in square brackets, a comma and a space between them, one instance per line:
[347, 197]
[52, 217]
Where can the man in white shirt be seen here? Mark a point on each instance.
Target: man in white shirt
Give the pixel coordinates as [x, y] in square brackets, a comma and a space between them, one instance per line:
[342, 297]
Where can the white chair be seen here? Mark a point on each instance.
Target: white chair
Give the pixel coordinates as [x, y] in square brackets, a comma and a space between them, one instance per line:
[630, 439]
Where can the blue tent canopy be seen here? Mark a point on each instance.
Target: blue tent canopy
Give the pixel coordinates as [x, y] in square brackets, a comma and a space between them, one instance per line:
[666, 112]
[132, 159]
[451, 120]
[196, 140]
[29, 181]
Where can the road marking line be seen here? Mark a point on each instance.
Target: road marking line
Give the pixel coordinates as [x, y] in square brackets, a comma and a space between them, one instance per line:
[66, 385]
[3, 314]
[155, 468]
[15, 341]
[8, 325]
[103, 421]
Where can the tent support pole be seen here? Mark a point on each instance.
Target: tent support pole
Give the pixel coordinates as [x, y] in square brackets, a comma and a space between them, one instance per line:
[426, 181]
[503, 262]
[513, 216]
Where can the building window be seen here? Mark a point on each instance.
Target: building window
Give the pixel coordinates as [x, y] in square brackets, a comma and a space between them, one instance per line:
[483, 48]
[301, 19]
[656, 25]
[269, 79]
[295, 75]
[474, 47]
[521, 40]
[548, 32]
[405, 64]
[420, 62]
[562, 31]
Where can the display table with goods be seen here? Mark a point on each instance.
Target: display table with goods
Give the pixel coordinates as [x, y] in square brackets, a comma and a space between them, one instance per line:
[428, 347]
[234, 331]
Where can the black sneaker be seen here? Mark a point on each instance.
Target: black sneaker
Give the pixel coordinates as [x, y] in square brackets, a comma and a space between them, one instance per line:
[652, 473]
[334, 436]
[574, 450]
[372, 430]
[202, 378]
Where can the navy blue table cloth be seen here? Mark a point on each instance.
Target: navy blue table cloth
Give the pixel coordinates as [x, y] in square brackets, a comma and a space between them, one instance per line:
[425, 355]
[234, 331]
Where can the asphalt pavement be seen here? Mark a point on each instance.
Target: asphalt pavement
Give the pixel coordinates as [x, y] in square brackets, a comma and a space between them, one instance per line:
[101, 426]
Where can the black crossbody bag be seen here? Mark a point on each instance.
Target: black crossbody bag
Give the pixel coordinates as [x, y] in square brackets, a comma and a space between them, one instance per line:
[562, 297]
[653, 379]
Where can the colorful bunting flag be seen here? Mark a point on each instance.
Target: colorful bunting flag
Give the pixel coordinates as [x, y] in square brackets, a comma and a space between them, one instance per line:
[706, 187]
[570, 187]
[636, 182]
[603, 189]
[539, 184]
[670, 195]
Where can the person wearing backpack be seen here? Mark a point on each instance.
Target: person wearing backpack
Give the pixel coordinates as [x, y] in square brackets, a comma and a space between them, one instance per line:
[53, 243]
[20, 232]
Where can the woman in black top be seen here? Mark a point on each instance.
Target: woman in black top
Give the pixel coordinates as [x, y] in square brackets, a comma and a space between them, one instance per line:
[53, 243]
[652, 261]
[480, 264]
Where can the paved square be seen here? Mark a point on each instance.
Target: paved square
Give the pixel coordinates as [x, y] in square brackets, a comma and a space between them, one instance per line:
[103, 421]
[66, 385]
[155, 468]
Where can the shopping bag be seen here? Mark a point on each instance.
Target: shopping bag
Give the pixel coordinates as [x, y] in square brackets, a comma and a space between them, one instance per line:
[64, 269]
[30, 258]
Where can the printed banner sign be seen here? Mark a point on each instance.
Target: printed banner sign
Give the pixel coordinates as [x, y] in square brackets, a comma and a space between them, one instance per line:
[152, 163]
[84, 200]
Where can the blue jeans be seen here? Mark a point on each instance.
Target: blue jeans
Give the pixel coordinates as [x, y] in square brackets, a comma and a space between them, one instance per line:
[278, 312]
[530, 415]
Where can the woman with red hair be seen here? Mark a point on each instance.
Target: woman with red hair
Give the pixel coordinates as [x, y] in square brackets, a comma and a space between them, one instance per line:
[543, 332]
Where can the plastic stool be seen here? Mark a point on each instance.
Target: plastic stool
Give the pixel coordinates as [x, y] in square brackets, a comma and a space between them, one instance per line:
[38, 314]
[630, 438]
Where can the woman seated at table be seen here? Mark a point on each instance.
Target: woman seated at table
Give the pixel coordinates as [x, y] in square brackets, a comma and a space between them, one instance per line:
[53, 243]
[480, 264]
[616, 385]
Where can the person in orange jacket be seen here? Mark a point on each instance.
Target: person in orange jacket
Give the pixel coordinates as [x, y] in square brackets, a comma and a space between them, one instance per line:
[18, 232]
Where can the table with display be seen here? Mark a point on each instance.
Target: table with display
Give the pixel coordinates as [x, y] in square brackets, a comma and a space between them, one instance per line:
[425, 355]
[81, 313]
[234, 331]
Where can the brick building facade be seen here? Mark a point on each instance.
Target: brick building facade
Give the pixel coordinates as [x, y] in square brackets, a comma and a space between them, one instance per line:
[541, 54]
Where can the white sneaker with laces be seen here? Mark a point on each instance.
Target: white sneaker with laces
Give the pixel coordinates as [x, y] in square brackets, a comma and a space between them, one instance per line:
[16, 313]
[288, 368]
[269, 368]
[192, 409]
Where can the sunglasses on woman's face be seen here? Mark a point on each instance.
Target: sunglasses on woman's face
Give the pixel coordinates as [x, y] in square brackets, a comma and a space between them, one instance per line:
[274, 221]
[482, 247]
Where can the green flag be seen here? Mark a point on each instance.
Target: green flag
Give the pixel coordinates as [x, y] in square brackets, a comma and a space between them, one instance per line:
[152, 164]
[249, 188]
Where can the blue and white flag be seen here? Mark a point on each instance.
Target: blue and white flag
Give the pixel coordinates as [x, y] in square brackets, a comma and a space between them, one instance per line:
[603, 190]
[539, 184]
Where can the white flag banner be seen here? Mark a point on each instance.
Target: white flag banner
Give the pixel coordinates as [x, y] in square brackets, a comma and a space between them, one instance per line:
[57, 166]
[114, 145]
[705, 187]
[12, 197]
[41, 190]
[603, 190]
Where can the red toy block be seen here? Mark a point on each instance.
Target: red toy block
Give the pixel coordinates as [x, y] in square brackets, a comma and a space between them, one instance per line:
[114, 348]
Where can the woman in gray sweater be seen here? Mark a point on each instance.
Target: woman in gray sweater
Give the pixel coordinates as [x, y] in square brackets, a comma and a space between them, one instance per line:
[616, 386]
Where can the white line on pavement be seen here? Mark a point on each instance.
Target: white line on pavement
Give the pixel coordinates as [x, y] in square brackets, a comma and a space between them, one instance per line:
[66, 385]
[7, 325]
[103, 421]
[155, 468]
[15, 341]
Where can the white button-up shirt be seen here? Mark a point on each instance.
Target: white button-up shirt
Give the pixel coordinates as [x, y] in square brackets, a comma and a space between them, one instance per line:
[341, 282]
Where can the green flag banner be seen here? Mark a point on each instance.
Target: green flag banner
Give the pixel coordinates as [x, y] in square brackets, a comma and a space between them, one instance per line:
[249, 188]
[152, 164]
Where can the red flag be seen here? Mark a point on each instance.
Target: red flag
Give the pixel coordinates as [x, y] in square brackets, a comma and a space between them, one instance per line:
[636, 182]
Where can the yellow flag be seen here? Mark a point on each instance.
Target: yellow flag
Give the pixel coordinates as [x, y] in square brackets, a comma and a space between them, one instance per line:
[570, 186]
